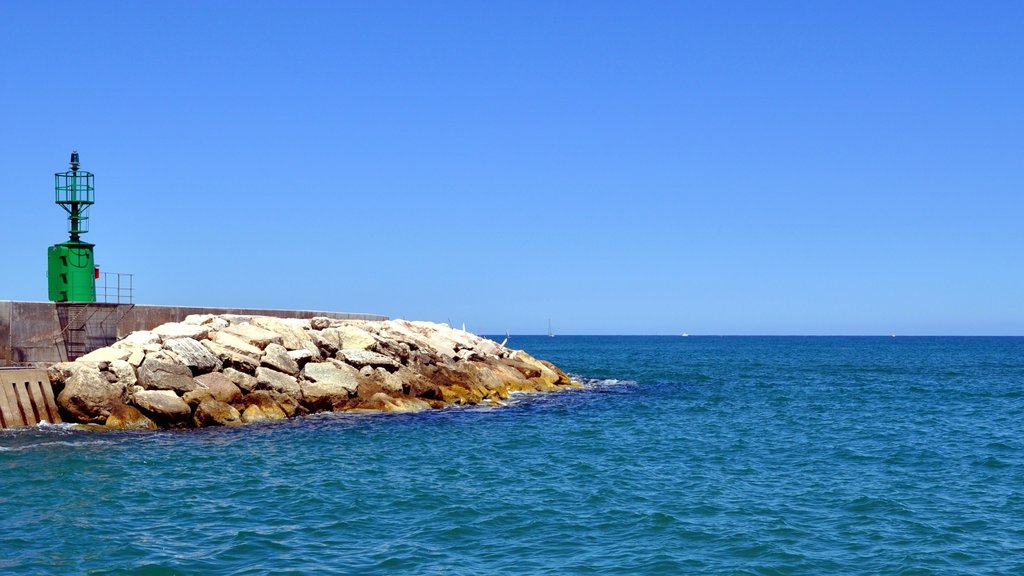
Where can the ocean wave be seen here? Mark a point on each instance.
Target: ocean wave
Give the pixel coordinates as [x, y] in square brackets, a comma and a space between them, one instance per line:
[604, 382]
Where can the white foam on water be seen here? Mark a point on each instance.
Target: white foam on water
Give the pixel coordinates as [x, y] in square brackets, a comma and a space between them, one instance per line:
[44, 425]
[605, 383]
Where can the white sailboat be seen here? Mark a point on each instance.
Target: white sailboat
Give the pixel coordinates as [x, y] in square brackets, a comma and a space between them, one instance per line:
[550, 333]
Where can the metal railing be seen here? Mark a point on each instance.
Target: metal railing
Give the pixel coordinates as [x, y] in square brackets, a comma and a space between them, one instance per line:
[117, 288]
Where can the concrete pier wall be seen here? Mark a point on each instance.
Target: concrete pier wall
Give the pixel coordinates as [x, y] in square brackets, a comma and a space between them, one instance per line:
[40, 333]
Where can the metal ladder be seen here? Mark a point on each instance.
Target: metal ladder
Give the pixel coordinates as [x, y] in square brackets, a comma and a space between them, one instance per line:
[73, 332]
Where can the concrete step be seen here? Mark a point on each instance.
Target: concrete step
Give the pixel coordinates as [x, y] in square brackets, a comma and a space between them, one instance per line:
[26, 398]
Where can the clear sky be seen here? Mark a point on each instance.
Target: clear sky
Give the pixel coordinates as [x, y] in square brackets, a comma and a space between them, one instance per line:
[634, 167]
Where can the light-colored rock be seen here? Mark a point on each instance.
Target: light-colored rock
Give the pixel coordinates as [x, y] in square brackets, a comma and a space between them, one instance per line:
[216, 413]
[470, 354]
[88, 397]
[60, 372]
[141, 338]
[195, 397]
[411, 332]
[377, 381]
[236, 318]
[302, 356]
[329, 339]
[197, 319]
[390, 383]
[489, 347]
[294, 332]
[333, 373]
[314, 350]
[125, 417]
[355, 338]
[236, 344]
[276, 356]
[319, 322]
[360, 358]
[105, 354]
[270, 379]
[252, 334]
[197, 357]
[163, 406]
[209, 320]
[220, 386]
[124, 371]
[328, 385]
[136, 358]
[245, 382]
[179, 330]
[243, 362]
[161, 372]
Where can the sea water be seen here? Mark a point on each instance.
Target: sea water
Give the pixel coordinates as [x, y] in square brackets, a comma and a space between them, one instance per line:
[716, 455]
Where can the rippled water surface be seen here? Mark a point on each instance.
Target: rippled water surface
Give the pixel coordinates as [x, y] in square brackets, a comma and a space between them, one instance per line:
[682, 455]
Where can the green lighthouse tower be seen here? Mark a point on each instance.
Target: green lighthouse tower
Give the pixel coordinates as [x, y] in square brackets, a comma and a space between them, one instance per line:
[71, 264]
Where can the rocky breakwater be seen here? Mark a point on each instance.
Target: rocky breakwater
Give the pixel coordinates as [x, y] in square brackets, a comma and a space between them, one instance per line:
[229, 370]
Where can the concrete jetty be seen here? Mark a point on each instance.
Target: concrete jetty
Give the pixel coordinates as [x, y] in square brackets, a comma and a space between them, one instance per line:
[36, 334]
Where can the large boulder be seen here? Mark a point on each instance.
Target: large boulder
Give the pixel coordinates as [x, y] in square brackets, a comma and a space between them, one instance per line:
[252, 334]
[197, 357]
[125, 417]
[124, 371]
[276, 356]
[221, 387]
[332, 373]
[489, 347]
[328, 385]
[89, 397]
[216, 413]
[236, 344]
[270, 379]
[303, 356]
[328, 339]
[294, 332]
[180, 330]
[208, 320]
[355, 338]
[289, 404]
[260, 406]
[360, 358]
[242, 362]
[245, 382]
[384, 403]
[163, 406]
[380, 380]
[161, 372]
[416, 334]
[60, 372]
[105, 354]
[141, 338]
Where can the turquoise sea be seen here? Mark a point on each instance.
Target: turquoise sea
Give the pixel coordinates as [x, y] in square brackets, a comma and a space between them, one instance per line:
[710, 455]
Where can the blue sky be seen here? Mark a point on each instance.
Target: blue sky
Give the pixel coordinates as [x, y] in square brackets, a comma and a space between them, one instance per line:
[620, 168]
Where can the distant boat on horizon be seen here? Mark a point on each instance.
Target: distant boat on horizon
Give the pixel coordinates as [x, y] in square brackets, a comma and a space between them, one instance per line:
[550, 333]
[685, 334]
